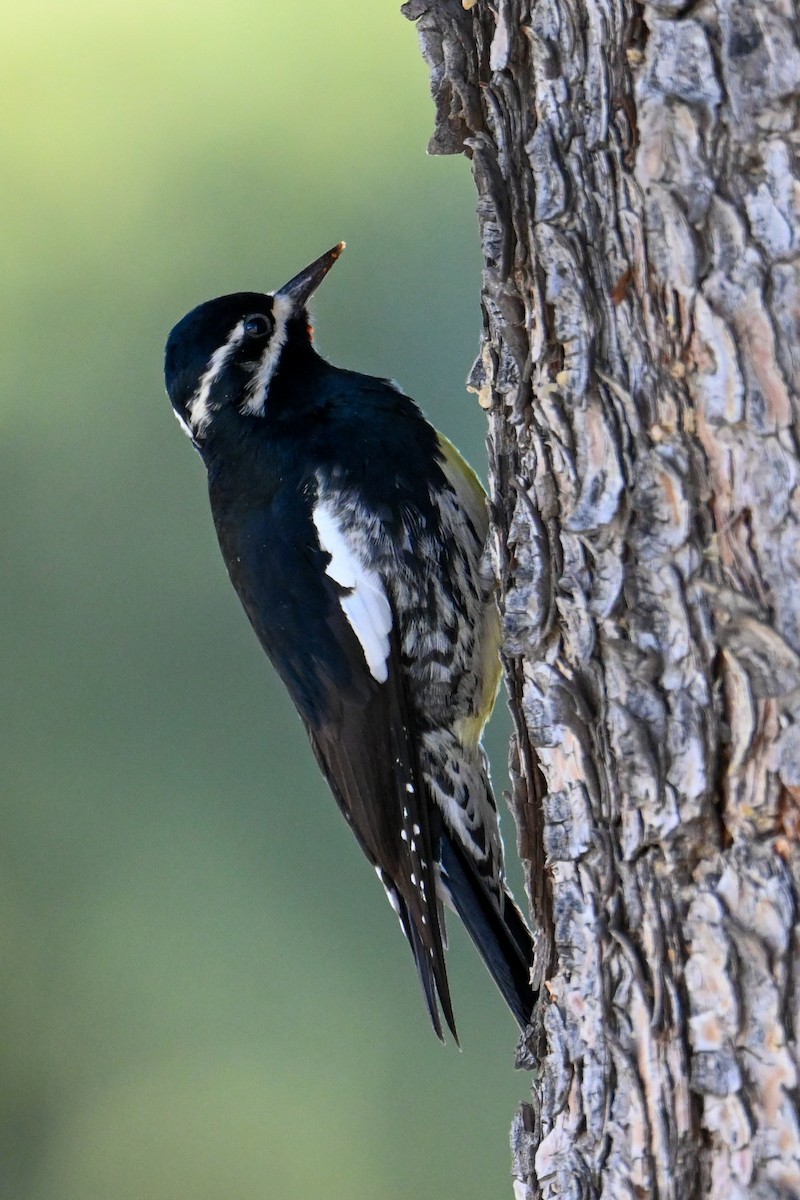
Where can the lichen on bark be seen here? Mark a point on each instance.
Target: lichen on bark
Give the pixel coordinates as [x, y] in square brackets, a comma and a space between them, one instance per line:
[639, 209]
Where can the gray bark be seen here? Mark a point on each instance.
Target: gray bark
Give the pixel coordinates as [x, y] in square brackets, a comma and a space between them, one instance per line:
[639, 208]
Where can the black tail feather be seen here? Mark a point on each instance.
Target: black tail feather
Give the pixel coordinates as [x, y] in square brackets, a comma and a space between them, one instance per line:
[503, 940]
[433, 982]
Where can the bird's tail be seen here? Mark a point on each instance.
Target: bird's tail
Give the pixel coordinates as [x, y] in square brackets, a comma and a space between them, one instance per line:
[502, 938]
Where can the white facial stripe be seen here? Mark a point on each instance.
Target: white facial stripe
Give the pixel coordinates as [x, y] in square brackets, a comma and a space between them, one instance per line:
[259, 389]
[198, 408]
[365, 606]
[183, 424]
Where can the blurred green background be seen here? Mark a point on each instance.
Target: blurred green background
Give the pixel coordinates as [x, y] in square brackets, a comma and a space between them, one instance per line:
[206, 994]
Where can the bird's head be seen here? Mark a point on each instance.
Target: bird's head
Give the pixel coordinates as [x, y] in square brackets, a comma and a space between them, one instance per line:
[222, 356]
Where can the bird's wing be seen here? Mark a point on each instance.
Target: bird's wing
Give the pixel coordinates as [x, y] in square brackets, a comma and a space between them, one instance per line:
[368, 750]
[327, 624]
[368, 755]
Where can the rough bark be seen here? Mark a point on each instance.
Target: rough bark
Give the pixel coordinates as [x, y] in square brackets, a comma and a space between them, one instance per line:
[640, 367]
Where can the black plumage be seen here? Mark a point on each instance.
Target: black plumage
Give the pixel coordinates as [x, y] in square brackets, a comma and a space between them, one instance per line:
[353, 534]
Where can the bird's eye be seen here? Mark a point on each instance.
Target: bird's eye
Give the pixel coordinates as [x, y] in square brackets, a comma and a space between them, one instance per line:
[256, 327]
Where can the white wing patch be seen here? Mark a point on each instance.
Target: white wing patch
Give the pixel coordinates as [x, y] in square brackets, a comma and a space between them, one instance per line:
[365, 604]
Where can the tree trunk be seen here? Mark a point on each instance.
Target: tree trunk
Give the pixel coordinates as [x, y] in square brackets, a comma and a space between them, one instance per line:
[640, 367]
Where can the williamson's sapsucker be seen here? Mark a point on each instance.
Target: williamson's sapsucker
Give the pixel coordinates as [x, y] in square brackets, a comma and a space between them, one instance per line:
[354, 535]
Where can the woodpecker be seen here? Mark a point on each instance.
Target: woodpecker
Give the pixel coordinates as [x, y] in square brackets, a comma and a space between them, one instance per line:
[354, 535]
